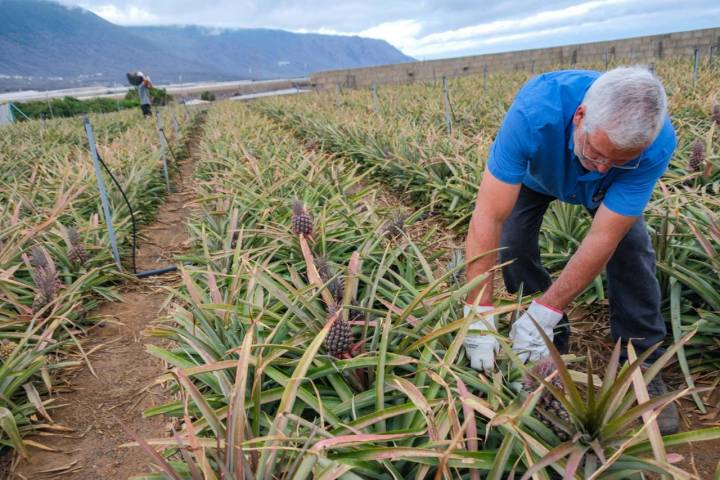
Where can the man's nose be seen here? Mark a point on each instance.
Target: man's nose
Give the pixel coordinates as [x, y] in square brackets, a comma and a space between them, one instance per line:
[603, 168]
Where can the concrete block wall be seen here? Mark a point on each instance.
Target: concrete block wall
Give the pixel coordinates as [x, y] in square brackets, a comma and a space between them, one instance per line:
[636, 50]
[231, 89]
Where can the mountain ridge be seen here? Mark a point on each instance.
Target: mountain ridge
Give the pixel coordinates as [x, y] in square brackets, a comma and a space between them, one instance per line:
[50, 45]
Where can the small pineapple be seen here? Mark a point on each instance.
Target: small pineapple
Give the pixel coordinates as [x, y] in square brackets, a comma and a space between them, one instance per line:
[716, 113]
[39, 302]
[547, 404]
[340, 338]
[697, 156]
[38, 258]
[77, 253]
[7, 347]
[337, 284]
[302, 222]
[48, 284]
[45, 276]
[394, 227]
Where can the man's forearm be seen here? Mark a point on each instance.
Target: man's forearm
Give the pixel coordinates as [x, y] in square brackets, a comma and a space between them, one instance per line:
[479, 241]
[583, 267]
[494, 203]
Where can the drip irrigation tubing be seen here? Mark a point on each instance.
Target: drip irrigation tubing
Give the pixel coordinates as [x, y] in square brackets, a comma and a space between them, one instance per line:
[172, 153]
[132, 213]
[162, 132]
[148, 273]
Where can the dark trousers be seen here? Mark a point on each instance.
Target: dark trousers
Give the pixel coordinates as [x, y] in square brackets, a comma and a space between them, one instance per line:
[146, 110]
[633, 289]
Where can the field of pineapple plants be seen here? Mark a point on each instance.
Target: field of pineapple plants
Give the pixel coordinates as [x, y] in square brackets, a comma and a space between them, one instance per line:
[55, 260]
[315, 328]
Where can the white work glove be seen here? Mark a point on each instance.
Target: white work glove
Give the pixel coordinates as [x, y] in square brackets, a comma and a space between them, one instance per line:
[527, 342]
[481, 349]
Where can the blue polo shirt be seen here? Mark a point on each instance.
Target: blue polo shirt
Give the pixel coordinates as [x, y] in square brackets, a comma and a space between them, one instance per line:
[535, 147]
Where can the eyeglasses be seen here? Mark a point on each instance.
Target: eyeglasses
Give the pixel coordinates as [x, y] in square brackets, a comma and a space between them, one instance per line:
[604, 161]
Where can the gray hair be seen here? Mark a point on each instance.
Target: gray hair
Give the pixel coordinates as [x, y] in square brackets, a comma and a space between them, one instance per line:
[629, 103]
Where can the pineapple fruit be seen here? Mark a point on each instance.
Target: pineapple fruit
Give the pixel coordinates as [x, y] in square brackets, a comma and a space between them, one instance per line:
[45, 276]
[76, 253]
[394, 227]
[548, 408]
[302, 222]
[336, 285]
[7, 347]
[697, 156]
[339, 339]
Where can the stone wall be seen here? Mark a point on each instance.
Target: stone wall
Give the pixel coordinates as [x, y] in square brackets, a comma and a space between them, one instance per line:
[632, 50]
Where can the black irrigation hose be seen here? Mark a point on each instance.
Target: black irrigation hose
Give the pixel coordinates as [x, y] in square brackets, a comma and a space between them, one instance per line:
[162, 132]
[132, 214]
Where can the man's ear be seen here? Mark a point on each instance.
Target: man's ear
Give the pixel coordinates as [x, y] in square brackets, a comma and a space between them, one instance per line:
[579, 115]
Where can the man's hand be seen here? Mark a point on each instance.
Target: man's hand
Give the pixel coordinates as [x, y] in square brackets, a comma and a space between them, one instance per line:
[480, 348]
[528, 344]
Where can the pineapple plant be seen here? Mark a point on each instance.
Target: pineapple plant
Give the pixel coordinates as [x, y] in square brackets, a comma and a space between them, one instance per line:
[548, 409]
[352, 398]
[36, 203]
[697, 156]
[302, 222]
[339, 339]
[76, 252]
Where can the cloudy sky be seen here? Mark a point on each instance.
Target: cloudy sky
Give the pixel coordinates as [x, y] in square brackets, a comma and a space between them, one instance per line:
[428, 29]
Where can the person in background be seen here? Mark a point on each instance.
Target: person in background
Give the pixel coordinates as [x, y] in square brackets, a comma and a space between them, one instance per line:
[144, 93]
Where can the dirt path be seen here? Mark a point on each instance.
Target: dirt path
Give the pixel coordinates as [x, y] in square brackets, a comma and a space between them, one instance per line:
[94, 405]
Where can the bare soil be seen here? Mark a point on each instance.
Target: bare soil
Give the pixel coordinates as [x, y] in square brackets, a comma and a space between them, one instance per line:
[94, 406]
[591, 334]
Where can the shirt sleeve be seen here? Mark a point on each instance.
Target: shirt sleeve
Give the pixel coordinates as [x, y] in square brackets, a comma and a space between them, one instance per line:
[630, 193]
[510, 152]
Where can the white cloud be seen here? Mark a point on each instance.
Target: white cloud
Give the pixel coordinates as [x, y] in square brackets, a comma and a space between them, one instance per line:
[534, 20]
[401, 33]
[429, 28]
[130, 15]
[595, 28]
[406, 35]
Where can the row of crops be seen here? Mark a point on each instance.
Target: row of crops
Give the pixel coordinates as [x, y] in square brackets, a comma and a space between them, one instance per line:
[402, 136]
[55, 260]
[314, 336]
